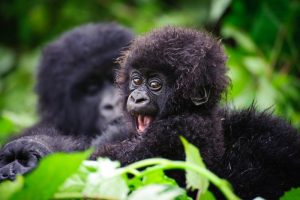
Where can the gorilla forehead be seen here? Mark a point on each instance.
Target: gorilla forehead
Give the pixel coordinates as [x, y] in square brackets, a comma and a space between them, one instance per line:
[194, 59]
[170, 47]
[87, 49]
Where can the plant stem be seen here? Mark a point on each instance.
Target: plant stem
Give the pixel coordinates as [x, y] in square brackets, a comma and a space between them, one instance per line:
[165, 164]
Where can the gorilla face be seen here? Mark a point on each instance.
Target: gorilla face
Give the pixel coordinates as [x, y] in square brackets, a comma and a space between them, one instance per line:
[109, 107]
[74, 72]
[147, 97]
[96, 103]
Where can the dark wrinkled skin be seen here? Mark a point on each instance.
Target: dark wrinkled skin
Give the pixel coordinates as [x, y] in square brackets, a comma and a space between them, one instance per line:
[20, 156]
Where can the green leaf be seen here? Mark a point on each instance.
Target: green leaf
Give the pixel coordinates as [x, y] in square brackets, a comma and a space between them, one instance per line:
[134, 183]
[8, 188]
[96, 179]
[77, 182]
[217, 9]
[105, 182]
[256, 65]
[194, 180]
[52, 171]
[157, 177]
[243, 39]
[154, 192]
[20, 119]
[207, 196]
[293, 194]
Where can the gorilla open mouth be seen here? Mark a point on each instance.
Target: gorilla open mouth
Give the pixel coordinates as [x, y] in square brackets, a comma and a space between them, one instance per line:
[143, 122]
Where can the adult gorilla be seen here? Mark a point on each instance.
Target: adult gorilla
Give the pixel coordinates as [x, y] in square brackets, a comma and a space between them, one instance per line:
[74, 73]
[76, 97]
[172, 80]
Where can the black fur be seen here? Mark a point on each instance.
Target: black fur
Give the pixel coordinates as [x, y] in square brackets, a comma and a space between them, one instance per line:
[75, 80]
[257, 152]
[262, 155]
[82, 57]
[191, 61]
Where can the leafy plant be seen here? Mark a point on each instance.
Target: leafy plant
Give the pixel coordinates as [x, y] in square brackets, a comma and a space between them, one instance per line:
[58, 177]
[70, 176]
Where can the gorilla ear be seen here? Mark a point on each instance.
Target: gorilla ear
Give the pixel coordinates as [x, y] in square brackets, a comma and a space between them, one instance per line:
[201, 97]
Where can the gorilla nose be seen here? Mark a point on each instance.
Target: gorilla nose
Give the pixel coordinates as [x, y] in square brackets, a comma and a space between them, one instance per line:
[108, 106]
[140, 100]
[110, 110]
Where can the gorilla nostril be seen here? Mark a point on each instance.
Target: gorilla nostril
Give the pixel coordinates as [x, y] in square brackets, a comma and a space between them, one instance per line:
[132, 98]
[140, 100]
[108, 107]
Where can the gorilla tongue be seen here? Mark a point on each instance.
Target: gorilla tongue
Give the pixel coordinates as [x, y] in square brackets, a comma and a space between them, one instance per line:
[143, 122]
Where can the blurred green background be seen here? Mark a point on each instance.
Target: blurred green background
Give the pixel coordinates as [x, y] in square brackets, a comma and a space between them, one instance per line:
[261, 37]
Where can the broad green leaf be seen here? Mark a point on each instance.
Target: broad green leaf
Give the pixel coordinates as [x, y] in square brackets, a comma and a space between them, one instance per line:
[207, 196]
[134, 183]
[155, 192]
[157, 177]
[20, 119]
[194, 180]
[6, 128]
[243, 39]
[154, 177]
[6, 59]
[75, 183]
[256, 65]
[8, 188]
[52, 171]
[96, 179]
[266, 94]
[217, 9]
[293, 194]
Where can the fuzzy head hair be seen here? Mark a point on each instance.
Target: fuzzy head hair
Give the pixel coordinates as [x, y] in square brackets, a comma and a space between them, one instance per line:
[194, 60]
[84, 51]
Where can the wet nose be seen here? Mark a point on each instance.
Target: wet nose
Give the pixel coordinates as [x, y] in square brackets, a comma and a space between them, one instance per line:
[139, 100]
[139, 97]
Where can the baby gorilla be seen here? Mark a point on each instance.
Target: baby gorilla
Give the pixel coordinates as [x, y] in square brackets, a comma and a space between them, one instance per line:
[76, 97]
[172, 80]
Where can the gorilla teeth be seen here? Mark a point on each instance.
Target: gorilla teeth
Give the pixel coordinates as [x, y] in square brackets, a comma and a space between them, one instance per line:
[143, 122]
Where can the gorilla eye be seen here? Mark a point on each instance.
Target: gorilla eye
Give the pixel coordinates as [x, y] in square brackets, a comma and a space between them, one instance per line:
[92, 89]
[155, 85]
[137, 81]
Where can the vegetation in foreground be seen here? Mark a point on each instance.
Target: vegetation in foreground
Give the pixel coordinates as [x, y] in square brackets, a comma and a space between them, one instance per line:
[70, 176]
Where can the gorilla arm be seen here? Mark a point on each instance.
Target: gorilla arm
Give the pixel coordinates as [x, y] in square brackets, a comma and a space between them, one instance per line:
[22, 154]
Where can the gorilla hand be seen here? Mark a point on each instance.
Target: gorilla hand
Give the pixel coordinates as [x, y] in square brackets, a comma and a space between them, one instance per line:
[20, 156]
